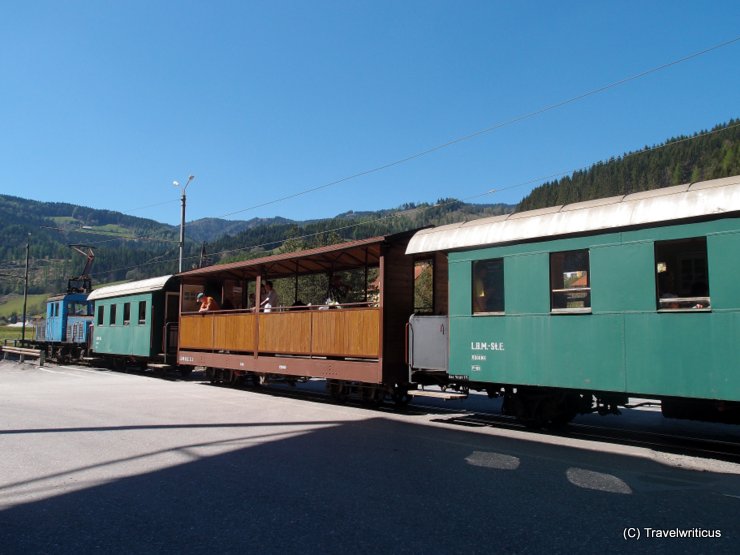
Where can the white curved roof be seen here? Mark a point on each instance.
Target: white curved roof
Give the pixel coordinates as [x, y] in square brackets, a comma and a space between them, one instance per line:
[719, 196]
[131, 288]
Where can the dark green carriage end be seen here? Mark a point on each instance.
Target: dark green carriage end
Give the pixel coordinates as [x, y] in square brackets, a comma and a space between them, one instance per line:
[136, 321]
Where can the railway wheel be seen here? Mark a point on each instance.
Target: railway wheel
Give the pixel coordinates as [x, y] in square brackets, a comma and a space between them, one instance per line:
[400, 396]
[538, 409]
[338, 390]
[372, 395]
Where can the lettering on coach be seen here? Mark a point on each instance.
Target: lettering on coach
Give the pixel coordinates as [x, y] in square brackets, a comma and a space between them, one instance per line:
[486, 346]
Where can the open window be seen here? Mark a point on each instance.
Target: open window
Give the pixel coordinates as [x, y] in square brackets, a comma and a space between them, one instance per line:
[570, 282]
[681, 274]
[424, 286]
[488, 286]
[101, 315]
[142, 312]
[112, 318]
[126, 314]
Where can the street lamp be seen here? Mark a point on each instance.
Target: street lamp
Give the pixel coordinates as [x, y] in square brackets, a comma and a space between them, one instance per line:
[182, 216]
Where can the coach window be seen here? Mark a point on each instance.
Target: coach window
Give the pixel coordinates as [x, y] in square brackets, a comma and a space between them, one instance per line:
[126, 314]
[101, 315]
[682, 275]
[142, 312]
[488, 286]
[112, 318]
[570, 282]
[424, 286]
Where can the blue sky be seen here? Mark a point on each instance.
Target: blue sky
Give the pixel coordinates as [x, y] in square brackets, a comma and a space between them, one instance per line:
[105, 103]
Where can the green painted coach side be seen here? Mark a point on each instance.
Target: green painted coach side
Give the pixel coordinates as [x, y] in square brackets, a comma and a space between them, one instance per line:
[624, 344]
[137, 339]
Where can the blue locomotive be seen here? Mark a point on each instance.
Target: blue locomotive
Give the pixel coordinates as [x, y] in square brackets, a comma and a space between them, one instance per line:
[64, 332]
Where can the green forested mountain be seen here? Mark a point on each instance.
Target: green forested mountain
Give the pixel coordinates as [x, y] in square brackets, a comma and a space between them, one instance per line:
[288, 236]
[705, 155]
[121, 241]
[128, 248]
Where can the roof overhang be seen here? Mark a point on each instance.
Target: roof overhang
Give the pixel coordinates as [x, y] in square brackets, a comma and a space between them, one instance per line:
[131, 288]
[342, 256]
[715, 198]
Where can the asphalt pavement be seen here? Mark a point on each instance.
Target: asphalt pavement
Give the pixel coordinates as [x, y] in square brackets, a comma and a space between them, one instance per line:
[94, 461]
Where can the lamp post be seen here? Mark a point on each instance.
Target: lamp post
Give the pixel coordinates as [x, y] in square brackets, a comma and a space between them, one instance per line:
[182, 216]
[25, 290]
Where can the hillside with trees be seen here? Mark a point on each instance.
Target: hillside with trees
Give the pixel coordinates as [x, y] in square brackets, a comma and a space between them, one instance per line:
[703, 156]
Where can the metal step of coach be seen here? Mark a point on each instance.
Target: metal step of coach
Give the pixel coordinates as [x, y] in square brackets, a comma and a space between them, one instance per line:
[446, 395]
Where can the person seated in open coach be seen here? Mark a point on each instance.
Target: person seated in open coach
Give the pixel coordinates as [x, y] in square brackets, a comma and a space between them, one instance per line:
[269, 297]
[207, 303]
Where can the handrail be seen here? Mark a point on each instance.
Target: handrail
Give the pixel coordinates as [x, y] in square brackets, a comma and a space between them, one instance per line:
[342, 306]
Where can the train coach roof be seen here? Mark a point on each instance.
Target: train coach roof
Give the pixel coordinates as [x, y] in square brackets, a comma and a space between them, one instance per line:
[338, 257]
[130, 288]
[694, 200]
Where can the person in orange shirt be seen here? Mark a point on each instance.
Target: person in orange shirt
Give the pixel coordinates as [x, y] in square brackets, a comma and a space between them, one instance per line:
[206, 303]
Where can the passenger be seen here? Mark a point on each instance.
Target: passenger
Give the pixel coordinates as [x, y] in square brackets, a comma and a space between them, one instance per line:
[337, 291]
[207, 303]
[269, 297]
[700, 289]
[669, 301]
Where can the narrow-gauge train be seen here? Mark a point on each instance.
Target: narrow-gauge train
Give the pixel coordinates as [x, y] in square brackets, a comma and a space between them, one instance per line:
[64, 332]
[560, 311]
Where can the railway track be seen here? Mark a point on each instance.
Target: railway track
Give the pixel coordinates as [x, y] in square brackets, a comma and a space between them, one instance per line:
[688, 444]
[679, 444]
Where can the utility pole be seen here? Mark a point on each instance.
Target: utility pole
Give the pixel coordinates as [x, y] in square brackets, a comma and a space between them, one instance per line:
[182, 217]
[25, 291]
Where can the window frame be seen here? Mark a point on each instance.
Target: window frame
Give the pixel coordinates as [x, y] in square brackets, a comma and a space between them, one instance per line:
[112, 315]
[494, 276]
[668, 256]
[559, 271]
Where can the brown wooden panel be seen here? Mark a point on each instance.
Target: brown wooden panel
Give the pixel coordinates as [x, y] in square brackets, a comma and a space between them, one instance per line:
[196, 331]
[348, 333]
[285, 332]
[234, 332]
[398, 304]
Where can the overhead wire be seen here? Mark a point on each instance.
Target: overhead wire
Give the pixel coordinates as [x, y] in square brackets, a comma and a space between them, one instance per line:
[406, 212]
[447, 144]
[494, 127]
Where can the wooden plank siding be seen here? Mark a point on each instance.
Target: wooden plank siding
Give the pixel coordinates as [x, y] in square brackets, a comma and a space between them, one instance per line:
[336, 333]
[285, 332]
[349, 333]
[196, 331]
[233, 332]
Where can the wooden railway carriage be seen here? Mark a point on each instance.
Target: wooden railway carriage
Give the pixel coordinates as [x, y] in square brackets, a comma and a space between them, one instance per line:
[136, 321]
[626, 296]
[342, 315]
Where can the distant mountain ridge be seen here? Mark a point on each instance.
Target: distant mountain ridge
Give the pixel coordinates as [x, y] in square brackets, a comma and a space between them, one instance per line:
[130, 247]
[210, 229]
